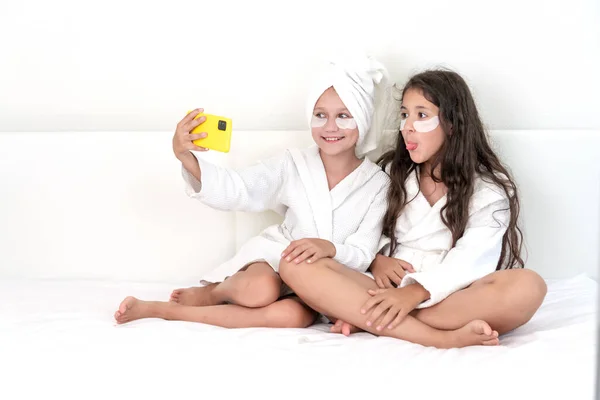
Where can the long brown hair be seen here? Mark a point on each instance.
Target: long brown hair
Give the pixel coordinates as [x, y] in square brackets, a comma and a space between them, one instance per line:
[465, 154]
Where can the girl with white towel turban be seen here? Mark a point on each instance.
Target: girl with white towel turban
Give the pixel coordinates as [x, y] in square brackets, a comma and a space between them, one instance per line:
[332, 199]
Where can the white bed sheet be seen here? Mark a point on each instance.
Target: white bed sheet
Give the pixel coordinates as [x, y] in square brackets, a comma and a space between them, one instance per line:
[58, 338]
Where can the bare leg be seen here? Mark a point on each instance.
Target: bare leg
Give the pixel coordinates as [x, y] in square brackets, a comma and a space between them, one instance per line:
[285, 313]
[360, 278]
[365, 281]
[505, 299]
[195, 296]
[257, 285]
[326, 290]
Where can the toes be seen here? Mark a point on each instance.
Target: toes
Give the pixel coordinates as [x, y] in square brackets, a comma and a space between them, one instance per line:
[122, 318]
[491, 342]
[123, 306]
[481, 328]
[336, 327]
[346, 329]
[127, 304]
[119, 315]
[486, 329]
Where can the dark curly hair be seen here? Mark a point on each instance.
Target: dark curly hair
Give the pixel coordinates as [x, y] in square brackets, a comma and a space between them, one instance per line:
[465, 154]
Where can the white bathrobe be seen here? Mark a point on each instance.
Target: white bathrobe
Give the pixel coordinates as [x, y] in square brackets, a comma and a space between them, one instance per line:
[425, 242]
[294, 184]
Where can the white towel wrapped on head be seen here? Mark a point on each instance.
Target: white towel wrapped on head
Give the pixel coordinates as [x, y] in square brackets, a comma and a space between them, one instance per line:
[358, 80]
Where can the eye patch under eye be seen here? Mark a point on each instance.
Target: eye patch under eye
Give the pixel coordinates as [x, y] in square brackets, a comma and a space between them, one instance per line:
[423, 126]
[345, 123]
[342, 123]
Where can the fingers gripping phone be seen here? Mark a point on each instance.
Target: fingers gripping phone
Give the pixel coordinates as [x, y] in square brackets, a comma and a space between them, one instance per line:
[218, 130]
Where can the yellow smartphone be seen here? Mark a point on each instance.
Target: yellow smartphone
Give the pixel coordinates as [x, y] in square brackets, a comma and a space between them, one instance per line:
[219, 132]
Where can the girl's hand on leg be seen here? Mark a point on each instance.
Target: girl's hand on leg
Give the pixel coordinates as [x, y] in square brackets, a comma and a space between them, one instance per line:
[388, 271]
[309, 250]
[388, 307]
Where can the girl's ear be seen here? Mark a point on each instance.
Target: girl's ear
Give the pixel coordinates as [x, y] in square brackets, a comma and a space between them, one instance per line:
[450, 130]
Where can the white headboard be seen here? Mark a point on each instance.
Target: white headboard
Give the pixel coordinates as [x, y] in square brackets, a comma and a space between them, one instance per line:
[96, 205]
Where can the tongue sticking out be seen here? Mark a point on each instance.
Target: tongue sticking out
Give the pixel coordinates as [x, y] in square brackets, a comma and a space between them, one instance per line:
[411, 146]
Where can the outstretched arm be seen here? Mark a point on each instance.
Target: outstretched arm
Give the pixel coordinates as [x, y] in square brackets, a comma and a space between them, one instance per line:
[254, 188]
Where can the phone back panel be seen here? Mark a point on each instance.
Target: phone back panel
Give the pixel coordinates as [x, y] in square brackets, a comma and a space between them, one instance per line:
[219, 132]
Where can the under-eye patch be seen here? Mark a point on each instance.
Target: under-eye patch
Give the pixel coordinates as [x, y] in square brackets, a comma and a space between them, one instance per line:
[345, 123]
[423, 126]
[317, 122]
[342, 123]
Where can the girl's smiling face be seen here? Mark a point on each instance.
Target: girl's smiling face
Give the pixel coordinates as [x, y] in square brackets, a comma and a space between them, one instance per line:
[333, 127]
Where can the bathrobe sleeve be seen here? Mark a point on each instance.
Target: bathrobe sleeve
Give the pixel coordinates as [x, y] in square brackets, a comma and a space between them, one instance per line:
[252, 189]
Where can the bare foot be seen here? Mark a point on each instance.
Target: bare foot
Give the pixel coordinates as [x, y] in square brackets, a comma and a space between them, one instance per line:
[195, 296]
[131, 309]
[344, 328]
[475, 333]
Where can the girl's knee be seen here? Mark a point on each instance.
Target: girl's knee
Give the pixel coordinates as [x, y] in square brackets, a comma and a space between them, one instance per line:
[258, 287]
[289, 313]
[286, 269]
[533, 284]
[291, 272]
[525, 281]
[524, 290]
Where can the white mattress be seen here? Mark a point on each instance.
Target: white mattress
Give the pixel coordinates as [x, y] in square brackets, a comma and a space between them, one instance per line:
[59, 338]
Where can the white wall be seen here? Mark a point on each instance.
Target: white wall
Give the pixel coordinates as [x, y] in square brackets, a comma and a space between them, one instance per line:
[139, 65]
[117, 65]
[117, 210]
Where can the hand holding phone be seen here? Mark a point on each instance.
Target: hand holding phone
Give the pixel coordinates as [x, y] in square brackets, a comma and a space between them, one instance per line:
[218, 130]
[183, 140]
